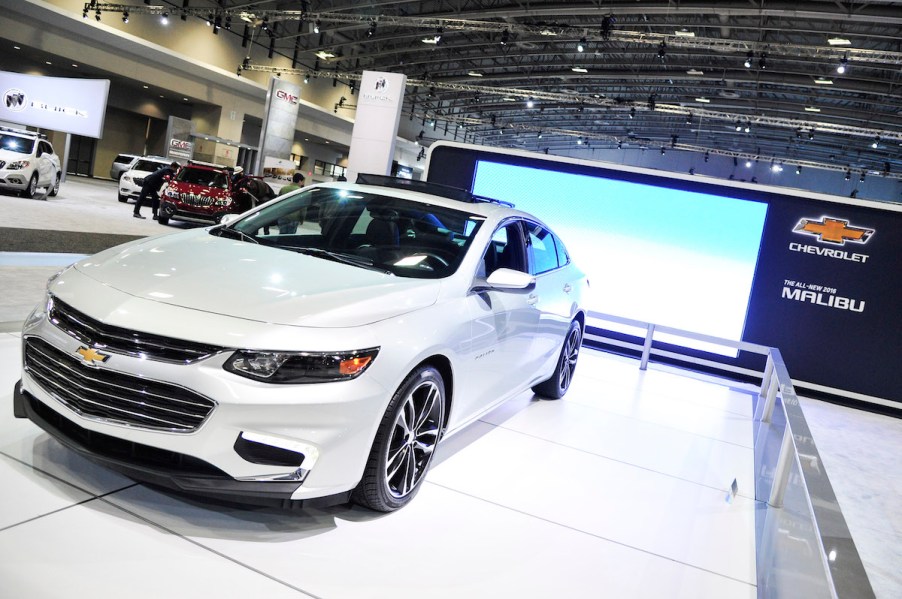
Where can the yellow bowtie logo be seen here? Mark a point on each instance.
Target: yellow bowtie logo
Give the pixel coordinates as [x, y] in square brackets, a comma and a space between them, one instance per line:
[92, 356]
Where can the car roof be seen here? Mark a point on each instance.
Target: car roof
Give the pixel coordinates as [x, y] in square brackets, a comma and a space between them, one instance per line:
[485, 209]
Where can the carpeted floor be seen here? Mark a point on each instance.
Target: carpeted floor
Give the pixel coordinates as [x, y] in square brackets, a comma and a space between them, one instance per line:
[74, 242]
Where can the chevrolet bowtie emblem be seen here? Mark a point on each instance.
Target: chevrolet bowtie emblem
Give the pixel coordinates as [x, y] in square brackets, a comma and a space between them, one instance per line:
[92, 356]
[833, 230]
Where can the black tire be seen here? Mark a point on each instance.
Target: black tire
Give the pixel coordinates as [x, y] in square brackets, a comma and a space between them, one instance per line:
[556, 386]
[56, 186]
[123, 199]
[162, 218]
[31, 190]
[402, 452]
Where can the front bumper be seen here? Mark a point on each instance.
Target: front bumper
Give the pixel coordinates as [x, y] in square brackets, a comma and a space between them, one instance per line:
[16, 180]
[236, 452]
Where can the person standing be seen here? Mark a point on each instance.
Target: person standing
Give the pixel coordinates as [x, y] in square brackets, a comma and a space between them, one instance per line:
[297, 182]
[151, 188]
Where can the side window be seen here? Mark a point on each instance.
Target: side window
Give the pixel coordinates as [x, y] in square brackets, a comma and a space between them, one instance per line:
[505, 250]
[45, 148]
[563, 258]
[542, 249]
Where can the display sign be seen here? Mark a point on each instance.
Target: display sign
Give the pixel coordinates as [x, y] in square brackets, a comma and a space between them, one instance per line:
[279, 121]
[815, 277]
[376, 123]
[180, 149]
[63, 104]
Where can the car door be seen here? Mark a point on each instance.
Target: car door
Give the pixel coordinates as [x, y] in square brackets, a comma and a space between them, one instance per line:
[555, 291]
[503, 323]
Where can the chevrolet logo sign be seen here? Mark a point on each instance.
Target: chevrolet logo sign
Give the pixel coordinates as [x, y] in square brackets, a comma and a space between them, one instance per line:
[91, 356]
[833, 230]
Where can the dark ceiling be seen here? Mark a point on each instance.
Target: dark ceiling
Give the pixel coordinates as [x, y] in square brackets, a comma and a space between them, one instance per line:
[735, 78]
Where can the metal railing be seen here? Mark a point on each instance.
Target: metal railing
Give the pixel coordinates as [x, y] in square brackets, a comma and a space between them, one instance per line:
[803, 544]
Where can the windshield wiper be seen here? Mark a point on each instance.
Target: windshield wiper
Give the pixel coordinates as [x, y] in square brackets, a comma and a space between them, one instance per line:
[349, 259]
[235, 234]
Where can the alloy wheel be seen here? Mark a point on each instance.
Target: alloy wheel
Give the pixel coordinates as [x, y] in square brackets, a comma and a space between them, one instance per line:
[569, 357]
[413, 439]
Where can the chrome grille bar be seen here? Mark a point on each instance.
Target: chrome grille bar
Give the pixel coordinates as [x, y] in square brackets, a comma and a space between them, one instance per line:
[119, 340]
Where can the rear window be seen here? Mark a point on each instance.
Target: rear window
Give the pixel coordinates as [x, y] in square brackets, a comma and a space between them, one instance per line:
[123, 159]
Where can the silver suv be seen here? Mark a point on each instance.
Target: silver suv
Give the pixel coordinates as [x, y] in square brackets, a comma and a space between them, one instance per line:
[27, 162]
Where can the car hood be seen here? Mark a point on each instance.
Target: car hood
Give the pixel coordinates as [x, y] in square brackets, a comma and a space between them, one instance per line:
[203, 272]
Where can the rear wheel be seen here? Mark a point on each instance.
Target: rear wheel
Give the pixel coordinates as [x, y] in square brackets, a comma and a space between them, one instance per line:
[163, 219]
[405, 442]
[556, 386]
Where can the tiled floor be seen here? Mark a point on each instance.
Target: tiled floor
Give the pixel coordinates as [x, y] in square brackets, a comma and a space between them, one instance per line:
[618, 490]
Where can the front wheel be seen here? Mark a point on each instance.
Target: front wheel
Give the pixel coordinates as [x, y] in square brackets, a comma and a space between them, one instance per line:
[556, 386]
[32, 188]
[405, 442]
[56, 186]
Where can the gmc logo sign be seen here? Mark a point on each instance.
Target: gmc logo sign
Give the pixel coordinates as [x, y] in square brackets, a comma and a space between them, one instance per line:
[179, 144]
[286, 97]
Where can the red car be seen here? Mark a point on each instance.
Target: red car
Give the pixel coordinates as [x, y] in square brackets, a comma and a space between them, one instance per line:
[203, 193]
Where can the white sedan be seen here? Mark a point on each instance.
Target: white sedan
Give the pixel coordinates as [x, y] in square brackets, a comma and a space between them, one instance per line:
[315, 349]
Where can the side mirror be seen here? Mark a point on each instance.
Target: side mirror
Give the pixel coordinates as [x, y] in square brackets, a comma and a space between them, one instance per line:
[507, 279]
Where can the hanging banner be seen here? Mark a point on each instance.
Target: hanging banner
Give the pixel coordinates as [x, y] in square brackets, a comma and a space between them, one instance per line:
[279, 122]
[376, 123]
[56, 103]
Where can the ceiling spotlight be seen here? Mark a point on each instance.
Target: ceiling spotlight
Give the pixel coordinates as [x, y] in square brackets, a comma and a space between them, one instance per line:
[748, 126]
[306, 77]
[372, 29]
[316, 25]
[530, 103]
[540, 135]
[848, 175]
[762, 62]
[689, 118]
[839, 41]
[505, 37]
[581, 46]
[662, 50]
[876, 142]
[748, 59]
[579, 141]
[125, 16]
[748, 164]
[861, 178]
[798, 170]
[707, 156]
[651, 101]
[632, 113]
[663, 151]
[164, 18]
[843, 65]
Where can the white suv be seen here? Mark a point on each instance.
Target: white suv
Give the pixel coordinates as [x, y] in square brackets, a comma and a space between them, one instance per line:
[132, 180]
[27, 162]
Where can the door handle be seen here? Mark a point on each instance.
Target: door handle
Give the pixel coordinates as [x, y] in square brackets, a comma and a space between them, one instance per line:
[567, 288]
[532, 299]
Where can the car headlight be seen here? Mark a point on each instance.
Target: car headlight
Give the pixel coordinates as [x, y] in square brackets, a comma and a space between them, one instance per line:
[171, 193]
[126, 178]
[18, 165]
[223, 201]
[300, 367]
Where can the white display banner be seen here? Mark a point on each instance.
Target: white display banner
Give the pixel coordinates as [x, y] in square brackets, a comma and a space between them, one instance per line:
[376, 124]
[56, 103]
[279, 122]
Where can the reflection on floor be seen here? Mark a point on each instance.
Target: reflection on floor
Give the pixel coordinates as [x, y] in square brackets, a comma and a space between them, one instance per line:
[618, 490]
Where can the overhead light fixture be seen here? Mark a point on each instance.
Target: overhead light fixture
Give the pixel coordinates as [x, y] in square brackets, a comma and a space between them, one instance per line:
[684, 33]
[748, 59]
[876, 142]
[762, 62]
[839, 41]
[848, 174]
[505, 37]
[125, 16]
[703, 100]
[474, 74]
[695, 72]
[372, 29]
[530, 103]
[164, 18]
[632, 113]
[798, 170]
[823, 81]
[812, 109]
[581, 45]
[843, 65]
[579, 70]
[325, 54]
[316, 26]
[748, 164]
[738, 125]
[579, 141]
[431, 40]
[861, 177]
[748, 126]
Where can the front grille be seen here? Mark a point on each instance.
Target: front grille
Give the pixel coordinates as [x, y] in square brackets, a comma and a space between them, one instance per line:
[94, 333]
[193, 199]
[103, 394]
[139, 181]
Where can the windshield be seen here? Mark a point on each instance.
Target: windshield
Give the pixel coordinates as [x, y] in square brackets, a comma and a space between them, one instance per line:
[14, 143]
[405, 238]
[203, 176]
[148, 165]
